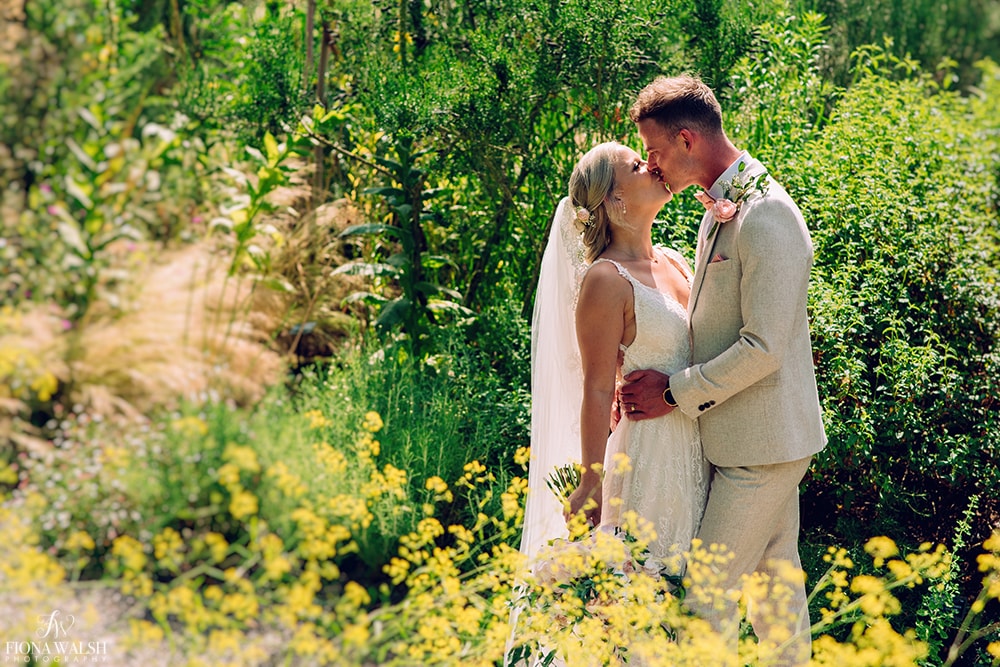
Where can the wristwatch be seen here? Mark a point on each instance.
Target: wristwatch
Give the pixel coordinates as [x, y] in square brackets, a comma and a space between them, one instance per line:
[668, 396]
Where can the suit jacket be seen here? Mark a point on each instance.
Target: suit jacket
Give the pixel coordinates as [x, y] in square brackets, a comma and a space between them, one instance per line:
[751, 384]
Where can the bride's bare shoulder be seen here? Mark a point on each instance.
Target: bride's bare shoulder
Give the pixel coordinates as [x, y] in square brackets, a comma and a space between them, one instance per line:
[604, 280]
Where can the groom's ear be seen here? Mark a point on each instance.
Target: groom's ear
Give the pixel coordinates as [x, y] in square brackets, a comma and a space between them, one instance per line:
[688, 137]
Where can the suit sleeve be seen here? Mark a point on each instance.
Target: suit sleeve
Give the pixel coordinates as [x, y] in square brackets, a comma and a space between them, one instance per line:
[776, 256]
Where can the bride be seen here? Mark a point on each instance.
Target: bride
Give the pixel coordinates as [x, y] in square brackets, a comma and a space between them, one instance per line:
[607, 295]
[610, 302]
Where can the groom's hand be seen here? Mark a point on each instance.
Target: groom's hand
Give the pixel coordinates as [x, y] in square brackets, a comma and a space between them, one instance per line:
[642, 395]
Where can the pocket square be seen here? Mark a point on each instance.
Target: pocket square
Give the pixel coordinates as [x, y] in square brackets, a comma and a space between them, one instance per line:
[718, 258]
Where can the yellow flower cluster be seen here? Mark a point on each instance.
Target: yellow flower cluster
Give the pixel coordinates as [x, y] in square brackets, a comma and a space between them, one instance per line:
[219, 585]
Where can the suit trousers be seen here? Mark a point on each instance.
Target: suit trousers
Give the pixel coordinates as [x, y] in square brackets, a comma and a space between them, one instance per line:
[754, 512]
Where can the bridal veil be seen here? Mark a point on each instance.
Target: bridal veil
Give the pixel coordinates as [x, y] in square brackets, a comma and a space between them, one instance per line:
[556, 378]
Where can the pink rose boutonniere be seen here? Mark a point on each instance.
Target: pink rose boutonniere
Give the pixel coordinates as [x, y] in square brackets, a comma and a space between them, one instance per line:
[735, 192]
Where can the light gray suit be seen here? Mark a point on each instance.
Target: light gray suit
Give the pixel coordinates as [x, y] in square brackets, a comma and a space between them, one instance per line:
[752, 388]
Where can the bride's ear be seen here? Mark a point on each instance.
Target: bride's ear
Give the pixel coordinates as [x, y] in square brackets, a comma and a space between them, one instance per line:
[615, 207]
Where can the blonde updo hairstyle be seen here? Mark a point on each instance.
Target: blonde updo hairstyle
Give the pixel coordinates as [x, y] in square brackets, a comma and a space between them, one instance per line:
[590, 187]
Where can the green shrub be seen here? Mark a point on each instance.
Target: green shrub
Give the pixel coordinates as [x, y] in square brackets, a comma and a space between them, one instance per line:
[904, 299]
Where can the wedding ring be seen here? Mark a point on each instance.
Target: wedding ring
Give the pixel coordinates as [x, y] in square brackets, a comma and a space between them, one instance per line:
[631, 408]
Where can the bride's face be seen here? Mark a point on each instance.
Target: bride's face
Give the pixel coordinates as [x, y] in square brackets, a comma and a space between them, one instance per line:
[638, 187]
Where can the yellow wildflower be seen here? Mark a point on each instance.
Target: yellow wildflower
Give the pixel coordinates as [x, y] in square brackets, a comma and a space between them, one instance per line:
[190, 426]
[522, 456]
[217, 546]
[243, 504]
[356, 595]
[130, 552]
[331, 459]
[167, 547]
[900, 569]
[355, 635]
[80, 541]
[229, 474]
[243, 458]
[316, 419]
[45, 385]
[8, 475]
[373, 422]
[288, 483]
[881, 548]
[838, 557]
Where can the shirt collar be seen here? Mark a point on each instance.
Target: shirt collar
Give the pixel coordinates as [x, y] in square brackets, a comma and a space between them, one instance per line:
[716, 191]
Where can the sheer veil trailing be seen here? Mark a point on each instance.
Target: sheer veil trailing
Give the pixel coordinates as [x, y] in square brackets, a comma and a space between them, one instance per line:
[556, 378]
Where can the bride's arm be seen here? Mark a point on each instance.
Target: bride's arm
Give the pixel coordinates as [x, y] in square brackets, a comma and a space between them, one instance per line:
[600, 325]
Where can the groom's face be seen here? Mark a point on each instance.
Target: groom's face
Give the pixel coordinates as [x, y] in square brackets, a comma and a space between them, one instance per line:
[664, 153]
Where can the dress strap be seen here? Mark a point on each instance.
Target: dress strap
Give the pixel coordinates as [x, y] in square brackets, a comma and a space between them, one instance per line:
[621, 269]
[623, 272]
[677, 259]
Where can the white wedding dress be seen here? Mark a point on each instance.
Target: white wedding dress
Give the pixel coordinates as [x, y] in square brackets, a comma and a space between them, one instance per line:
[666, 479]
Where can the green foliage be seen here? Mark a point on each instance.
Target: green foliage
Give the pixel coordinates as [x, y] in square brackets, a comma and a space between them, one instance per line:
[719, 34]
[927, 31]
[904, 302]
[96, 155]
[503, 96]
[422, 299]
[272, 96]
[782, 65]
[437, 417]
[938, 616]
[248, 200]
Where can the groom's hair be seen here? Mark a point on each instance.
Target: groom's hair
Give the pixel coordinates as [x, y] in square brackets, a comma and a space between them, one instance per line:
[679, 102]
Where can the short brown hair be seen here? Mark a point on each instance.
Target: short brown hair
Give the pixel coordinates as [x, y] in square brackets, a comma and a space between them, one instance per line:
[678, 102]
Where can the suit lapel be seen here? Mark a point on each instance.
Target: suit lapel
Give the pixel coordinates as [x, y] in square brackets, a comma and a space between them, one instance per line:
[706, 246]
[704, 252]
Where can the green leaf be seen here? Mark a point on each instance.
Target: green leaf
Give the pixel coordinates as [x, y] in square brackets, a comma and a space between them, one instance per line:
[80, 193]
[271, 146]
[70, 234]
[450, 307]
[426, 288]
[387, 192]
[366, 269]
[367, 298]
[399, 259]
[256, 154]
[394, 313]
[371, 228]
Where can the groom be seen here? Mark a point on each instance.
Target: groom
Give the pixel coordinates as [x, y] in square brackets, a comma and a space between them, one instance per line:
[751, 385]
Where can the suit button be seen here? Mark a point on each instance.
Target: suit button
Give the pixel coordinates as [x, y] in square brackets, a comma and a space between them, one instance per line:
[711, 403]
[702, 407]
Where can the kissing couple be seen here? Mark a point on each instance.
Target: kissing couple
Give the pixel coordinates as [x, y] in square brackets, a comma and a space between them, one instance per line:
[705, 375]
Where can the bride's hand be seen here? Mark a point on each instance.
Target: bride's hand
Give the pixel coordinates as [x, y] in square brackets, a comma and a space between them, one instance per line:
[586, 498]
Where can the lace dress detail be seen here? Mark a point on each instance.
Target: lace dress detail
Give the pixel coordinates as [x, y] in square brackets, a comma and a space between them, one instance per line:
[666, 481]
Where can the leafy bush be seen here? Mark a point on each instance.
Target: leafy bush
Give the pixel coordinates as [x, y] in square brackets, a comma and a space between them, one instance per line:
[928, 32]
[904, 298]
